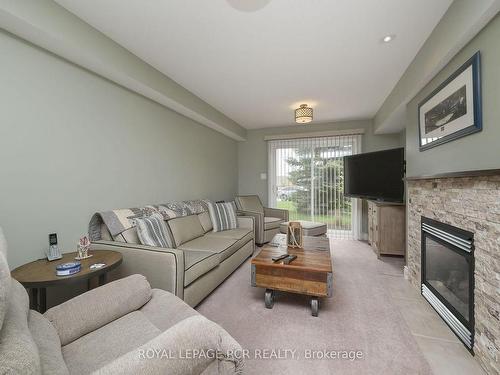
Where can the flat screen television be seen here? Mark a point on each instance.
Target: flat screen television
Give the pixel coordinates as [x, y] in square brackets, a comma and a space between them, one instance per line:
[375, 175]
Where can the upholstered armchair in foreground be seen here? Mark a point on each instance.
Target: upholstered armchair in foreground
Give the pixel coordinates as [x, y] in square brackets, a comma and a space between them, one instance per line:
[267, 220]
[123, 327]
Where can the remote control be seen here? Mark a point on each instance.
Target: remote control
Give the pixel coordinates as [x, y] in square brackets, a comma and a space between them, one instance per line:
[281, 257]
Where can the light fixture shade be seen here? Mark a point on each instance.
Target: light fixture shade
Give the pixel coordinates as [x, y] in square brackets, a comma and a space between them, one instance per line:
[303, 114]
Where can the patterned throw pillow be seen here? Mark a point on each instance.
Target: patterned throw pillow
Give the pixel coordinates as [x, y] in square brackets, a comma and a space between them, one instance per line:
[223, 216]
[152, 231]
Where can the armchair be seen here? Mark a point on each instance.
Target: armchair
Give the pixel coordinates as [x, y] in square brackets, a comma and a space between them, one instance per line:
[112, 329]
[267, 220]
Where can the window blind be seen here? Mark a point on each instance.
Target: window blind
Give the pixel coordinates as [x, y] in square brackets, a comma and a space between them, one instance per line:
[306, 176]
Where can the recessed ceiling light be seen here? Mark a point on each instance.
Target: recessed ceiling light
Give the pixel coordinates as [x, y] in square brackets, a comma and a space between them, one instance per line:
[388, 38]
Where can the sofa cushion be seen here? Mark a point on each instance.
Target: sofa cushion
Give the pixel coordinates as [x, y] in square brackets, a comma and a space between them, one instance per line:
[48, 343]
[235, 234]
[206, 222]
[249, 203]
[223, 215]
[153, 231]
[99, 347]
[197, 263]
[185, 229]
[91, 310]
[165, 310]
[272, 222]
[223, 246]
[18, 351]
[194, 333]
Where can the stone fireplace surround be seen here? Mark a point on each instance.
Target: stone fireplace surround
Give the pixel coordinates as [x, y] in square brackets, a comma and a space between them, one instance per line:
[468, 200]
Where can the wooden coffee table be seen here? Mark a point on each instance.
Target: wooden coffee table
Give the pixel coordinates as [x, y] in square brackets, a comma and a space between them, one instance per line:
[40, 274]
[310, 274]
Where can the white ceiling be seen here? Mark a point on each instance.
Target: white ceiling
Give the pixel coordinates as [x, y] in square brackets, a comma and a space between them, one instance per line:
[256, 64]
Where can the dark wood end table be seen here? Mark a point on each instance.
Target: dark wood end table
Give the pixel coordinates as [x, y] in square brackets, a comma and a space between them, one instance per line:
[40, 274]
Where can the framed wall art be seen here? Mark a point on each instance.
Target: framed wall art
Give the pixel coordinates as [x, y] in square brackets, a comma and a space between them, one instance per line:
[453, 110]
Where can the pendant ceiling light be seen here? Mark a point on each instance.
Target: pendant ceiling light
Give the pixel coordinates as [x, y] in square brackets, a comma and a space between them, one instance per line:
[303, 114]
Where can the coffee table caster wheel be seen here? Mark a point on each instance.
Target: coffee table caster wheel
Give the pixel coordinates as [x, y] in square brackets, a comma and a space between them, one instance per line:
[269, 298]
[314, 306]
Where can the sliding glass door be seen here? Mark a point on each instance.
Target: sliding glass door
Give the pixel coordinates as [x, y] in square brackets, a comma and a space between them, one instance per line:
[306, 176]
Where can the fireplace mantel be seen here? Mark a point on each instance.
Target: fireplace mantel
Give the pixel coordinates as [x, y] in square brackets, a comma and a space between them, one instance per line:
[475, 173]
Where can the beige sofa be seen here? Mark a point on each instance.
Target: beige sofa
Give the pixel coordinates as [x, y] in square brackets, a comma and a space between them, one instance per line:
[124, 327]
[267, 220]
[201, 260]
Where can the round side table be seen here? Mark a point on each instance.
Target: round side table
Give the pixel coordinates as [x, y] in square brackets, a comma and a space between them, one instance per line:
[40, 274]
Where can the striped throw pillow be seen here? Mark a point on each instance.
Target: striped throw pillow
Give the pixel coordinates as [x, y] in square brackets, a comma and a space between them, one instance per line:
[152, 231]
[223, 215]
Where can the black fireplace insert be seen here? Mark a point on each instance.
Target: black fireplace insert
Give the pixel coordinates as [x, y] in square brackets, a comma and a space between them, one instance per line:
[448, 275]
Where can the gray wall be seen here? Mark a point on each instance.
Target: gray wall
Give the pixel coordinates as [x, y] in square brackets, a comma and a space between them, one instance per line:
[462, 20]
[50, 26]
[477, 151]
[72, 143]
[252, 154]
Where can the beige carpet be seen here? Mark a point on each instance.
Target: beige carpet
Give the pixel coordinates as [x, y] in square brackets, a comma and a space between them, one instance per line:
[359, 317]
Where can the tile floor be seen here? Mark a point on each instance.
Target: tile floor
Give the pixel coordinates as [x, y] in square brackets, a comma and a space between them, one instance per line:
[442, 349]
